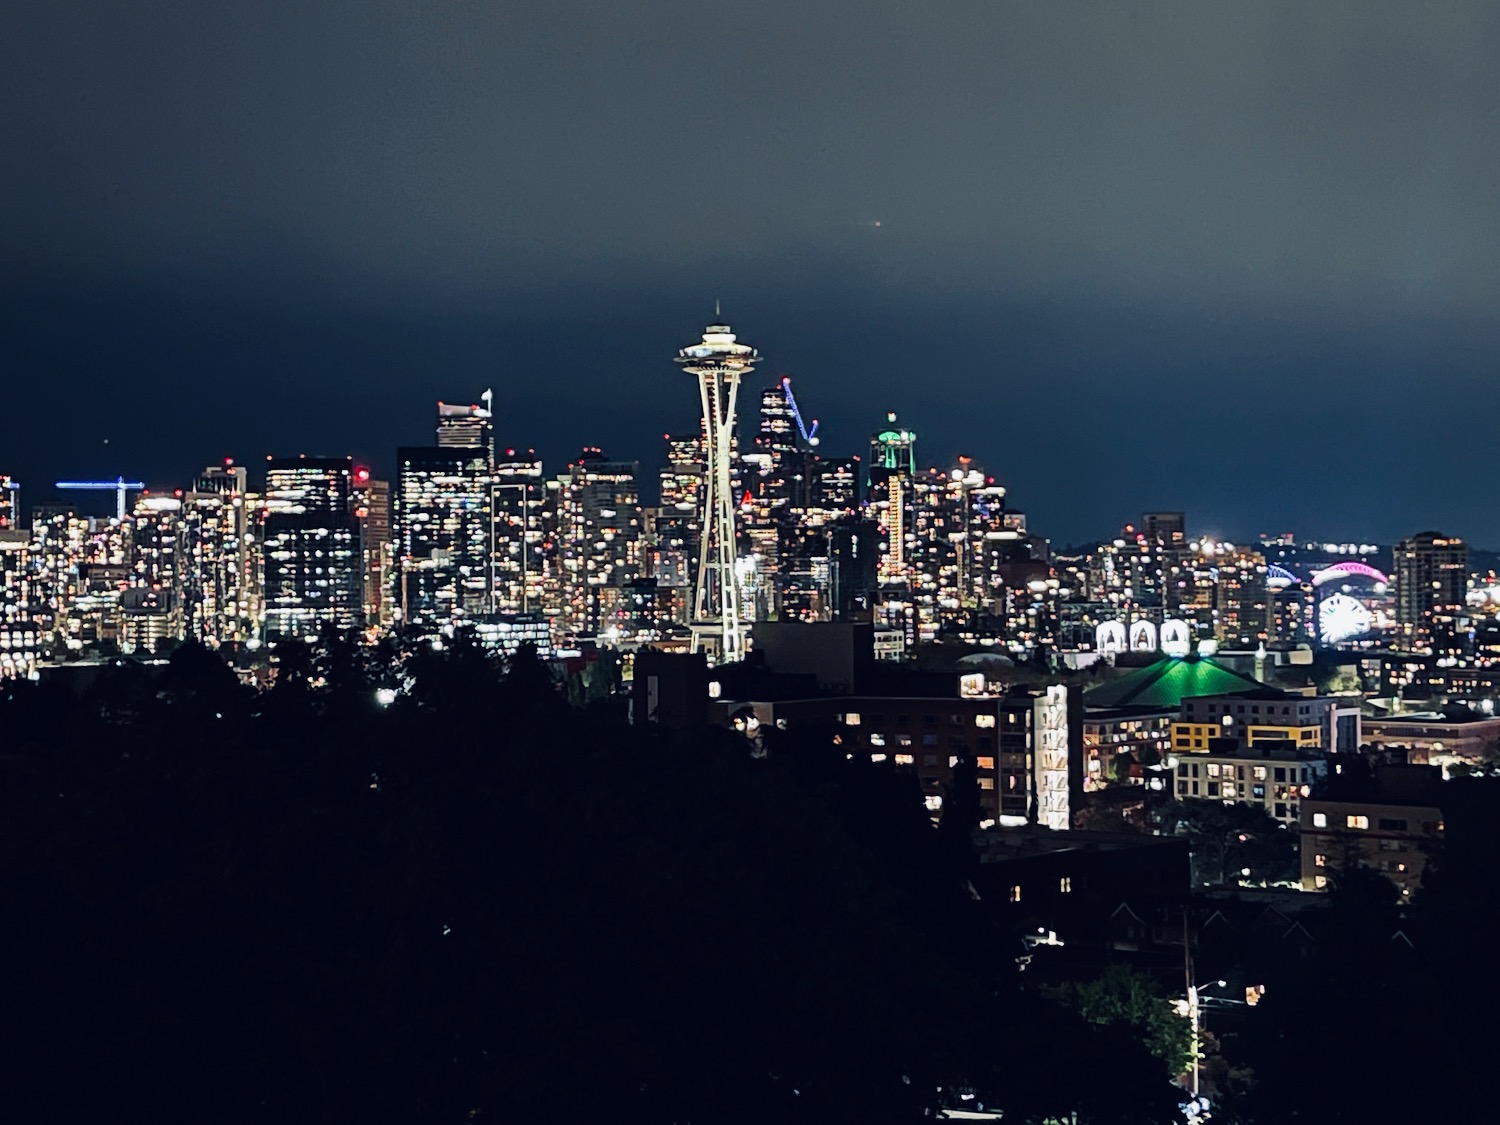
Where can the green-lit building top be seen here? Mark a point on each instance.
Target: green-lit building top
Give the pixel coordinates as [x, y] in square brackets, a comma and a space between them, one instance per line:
[1168, 682]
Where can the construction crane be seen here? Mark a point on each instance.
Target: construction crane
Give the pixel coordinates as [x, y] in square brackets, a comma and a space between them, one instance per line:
[809, 434]
[119, 486]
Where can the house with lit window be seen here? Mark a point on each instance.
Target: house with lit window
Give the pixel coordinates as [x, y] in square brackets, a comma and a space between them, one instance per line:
[1389, 823]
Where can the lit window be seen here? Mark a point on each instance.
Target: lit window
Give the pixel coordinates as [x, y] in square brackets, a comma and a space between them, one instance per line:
[877, 740]
[984, 720]
[1213, 769]
[1320, 860]
[985, 763]
[905, 760]
[1320, 881]
[851, 719]
[1065, 884]
[714, 688]
[1352, 821]
[986, 783]
[1015, 894]
[1320, 820]
[877, 757]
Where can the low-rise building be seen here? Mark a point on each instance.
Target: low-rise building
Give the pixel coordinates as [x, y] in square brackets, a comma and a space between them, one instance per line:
[1444, 738]
[1267, 714]
[1276, 777]
[1388, 824]
[1119, 741]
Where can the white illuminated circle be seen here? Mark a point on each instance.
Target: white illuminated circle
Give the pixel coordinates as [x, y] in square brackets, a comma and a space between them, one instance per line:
[1341, 617]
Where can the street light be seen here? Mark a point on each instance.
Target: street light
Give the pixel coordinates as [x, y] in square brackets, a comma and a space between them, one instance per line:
[1192, 999]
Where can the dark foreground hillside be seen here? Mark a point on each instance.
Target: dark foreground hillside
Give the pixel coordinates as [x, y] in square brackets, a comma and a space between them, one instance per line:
[482, 904]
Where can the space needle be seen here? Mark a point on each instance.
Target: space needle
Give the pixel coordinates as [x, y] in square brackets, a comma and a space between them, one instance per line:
[718, 362]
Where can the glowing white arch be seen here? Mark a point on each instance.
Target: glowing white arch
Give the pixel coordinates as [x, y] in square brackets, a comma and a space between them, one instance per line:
[1142, 636]
[1110, 636]
[1176, 638]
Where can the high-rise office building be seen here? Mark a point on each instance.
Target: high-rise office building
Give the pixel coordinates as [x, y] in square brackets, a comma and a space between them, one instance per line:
[372, 507]
[893, 471]
[467, 427]
[10, 503]
[20, 635]
[310, 545]
[837, 487]
[599, 537]
[221, 587]
[676, 523]
[442, 521]
[519, 562]
[1432, 577]
[1166, 528]
[152, 607]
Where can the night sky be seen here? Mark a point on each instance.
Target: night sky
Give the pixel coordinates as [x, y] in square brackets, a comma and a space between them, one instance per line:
[1242, 260]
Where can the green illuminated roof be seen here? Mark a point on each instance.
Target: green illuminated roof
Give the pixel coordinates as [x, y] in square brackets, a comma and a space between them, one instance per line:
[1167, 683]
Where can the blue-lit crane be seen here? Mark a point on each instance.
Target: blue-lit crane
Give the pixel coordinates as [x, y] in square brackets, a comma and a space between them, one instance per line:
[119, 486]
[809, 434]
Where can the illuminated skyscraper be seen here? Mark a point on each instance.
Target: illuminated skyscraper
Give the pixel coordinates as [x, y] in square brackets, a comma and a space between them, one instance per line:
[520, 493]
[10, 503]
[467, 427]
[310, 539]
[151, 608]
[676, 524]
[1166, 528]
[718, 362]
[837, 487]
[20, 635]
[221, 594]
[372, 507]
[893, 469]
[1432, 577]
[599, 541]
[442, 521]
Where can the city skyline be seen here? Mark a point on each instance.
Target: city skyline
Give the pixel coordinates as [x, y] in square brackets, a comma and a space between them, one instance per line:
[651, 454]
[1186, 258]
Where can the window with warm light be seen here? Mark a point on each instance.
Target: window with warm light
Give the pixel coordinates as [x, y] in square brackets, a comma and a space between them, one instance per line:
[1320, 820]
[1356, 821]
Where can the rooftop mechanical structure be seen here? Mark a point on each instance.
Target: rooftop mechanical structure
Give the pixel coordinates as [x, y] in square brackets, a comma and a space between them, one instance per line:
[718, 363]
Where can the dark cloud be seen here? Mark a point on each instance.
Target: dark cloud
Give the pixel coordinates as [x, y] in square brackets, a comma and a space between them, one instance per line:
[1237, 259]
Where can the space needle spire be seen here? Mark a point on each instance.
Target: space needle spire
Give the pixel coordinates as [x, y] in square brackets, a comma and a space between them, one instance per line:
[718, 362]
